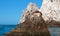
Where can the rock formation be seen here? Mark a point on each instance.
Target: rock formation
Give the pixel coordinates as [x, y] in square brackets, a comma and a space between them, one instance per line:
[30, 8]
[50, 10]
[34, 21]
[31, 23]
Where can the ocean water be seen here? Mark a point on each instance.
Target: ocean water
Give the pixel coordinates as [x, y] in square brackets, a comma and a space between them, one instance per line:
[54, 31]
[6, 28]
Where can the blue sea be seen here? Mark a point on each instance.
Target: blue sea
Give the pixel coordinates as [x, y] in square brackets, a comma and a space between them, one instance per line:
[54, 31]
[6, 28]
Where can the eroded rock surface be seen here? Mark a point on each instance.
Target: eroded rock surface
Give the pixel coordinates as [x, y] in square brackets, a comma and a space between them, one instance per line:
[31, 24]
[50, 10]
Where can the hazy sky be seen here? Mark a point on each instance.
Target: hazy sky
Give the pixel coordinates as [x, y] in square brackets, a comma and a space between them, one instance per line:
[10, 10]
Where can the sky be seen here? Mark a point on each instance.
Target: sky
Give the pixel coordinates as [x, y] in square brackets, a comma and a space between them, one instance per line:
[11, 10]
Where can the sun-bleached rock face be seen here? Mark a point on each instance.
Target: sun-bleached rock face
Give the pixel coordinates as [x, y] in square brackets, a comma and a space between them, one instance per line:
[30, 8]
[51, 10]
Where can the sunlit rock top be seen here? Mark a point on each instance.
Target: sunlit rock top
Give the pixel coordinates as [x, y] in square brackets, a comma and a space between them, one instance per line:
[30, 9]
[51, 10]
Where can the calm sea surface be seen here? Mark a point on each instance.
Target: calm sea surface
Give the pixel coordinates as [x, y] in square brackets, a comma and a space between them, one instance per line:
[6, 28]
[55, 31]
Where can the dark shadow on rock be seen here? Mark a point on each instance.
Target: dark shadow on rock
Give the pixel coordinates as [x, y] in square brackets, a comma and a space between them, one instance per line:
[54, 23]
